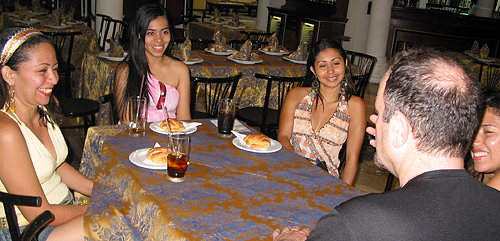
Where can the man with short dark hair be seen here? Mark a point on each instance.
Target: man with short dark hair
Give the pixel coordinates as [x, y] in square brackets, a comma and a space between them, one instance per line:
[428, 110]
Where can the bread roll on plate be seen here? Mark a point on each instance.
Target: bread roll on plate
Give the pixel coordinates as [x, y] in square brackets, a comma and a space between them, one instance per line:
[257, 140]
[159, 155]
[175, 125]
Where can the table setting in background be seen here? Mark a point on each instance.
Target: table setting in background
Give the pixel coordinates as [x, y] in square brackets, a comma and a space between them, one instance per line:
[486, 69]
[98, 73]
[58, 21]
[230, 28]
[229, 190]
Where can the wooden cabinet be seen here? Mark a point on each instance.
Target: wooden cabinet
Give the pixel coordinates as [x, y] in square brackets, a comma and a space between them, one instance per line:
[302, 20]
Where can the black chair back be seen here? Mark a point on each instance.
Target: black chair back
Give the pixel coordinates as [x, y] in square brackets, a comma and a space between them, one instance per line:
[210, 91]
[263, 117]
[363, 68]
[200, 44]
[115, 28]
[109, 98]
[259, 39]
[63, 44]
[30, 232]
[100, 34]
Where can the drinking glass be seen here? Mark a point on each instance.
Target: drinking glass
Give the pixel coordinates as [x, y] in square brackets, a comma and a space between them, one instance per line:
[178, 160]
[225, 117]
[137, 116]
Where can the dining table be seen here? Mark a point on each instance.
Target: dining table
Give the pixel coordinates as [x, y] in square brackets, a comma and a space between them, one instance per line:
[98, 76]
[87, 41]
[231, 192]
[206, 30]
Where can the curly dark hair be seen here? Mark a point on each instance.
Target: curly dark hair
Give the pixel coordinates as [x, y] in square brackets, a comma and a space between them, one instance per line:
[53, 114]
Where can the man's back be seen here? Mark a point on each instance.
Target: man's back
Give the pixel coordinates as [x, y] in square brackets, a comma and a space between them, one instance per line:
[437, 205]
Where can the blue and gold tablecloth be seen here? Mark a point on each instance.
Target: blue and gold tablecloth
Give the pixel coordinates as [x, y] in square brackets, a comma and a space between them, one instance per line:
[205, 31]
[229, 194]
[86, 41]
[98, 77]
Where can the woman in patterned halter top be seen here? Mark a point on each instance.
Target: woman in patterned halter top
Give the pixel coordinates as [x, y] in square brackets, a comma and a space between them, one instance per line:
[316, 121]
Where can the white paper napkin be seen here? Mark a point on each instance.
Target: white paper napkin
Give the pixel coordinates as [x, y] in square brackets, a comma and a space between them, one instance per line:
[238, 126]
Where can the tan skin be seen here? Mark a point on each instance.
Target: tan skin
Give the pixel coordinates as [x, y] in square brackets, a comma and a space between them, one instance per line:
[486, 147]
[32, 84]
[167, 70]
[329, 67]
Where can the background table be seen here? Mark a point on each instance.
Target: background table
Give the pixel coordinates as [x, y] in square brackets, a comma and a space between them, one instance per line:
[99, 77]
[87, 41]
[229, 194]
[205, 31]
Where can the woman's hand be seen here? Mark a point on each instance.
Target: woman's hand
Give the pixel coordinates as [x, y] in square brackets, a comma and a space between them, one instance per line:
[291, 234]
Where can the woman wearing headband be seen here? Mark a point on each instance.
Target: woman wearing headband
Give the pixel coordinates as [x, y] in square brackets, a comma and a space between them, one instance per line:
[32, 146]
[150, 70]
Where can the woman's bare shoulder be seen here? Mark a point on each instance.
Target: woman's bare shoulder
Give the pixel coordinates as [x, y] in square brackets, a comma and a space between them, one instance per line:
[8, 128]
[355, 102]
[178, 65]
[299, 92]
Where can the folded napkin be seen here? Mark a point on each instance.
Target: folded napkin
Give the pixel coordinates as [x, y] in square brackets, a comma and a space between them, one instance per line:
[301, 53]
[35, 6]
[69, 17]
[115, 49]
[220, 42]
[184, 52]
[484, 52]
[54, 18]
[274, 44]
[238, 126]
[217, 16]
[23, 14]
[235, 21]
[245, 53]
[17, 7]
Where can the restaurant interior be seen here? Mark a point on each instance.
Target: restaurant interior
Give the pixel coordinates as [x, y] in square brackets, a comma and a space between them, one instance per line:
[371, 31]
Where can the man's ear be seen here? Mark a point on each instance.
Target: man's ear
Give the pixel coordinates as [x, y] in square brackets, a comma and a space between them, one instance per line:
[400, 127]
[7, 74]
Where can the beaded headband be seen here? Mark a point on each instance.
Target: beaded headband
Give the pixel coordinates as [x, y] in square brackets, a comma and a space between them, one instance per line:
[15, 42]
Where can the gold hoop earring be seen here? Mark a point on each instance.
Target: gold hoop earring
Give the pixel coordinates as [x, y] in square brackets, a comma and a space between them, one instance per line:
[12, 101]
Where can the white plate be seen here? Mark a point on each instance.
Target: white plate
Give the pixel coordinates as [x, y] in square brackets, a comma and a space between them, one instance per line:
[246, 61]
[237, 28]
[274, 147]
[212, 51]
[29, 22]
[193, 61]
[75, 23]
[156, 127]
[296, 61]
[281, 52]
[59, 27]
[218, 23]
[140, 158]
[38, 14]
[106, 56]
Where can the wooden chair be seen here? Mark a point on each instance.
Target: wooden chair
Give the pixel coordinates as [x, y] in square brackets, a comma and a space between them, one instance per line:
[363, 68]
[31, 231]
[210, 91]
[263, 117]
[115, 29]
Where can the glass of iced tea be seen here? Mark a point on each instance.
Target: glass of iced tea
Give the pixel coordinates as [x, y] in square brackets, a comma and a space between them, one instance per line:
[137, 115]
[225, 117]
[178, 160]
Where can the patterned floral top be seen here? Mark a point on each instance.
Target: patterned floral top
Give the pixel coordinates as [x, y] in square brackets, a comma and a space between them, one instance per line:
[325, 144]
